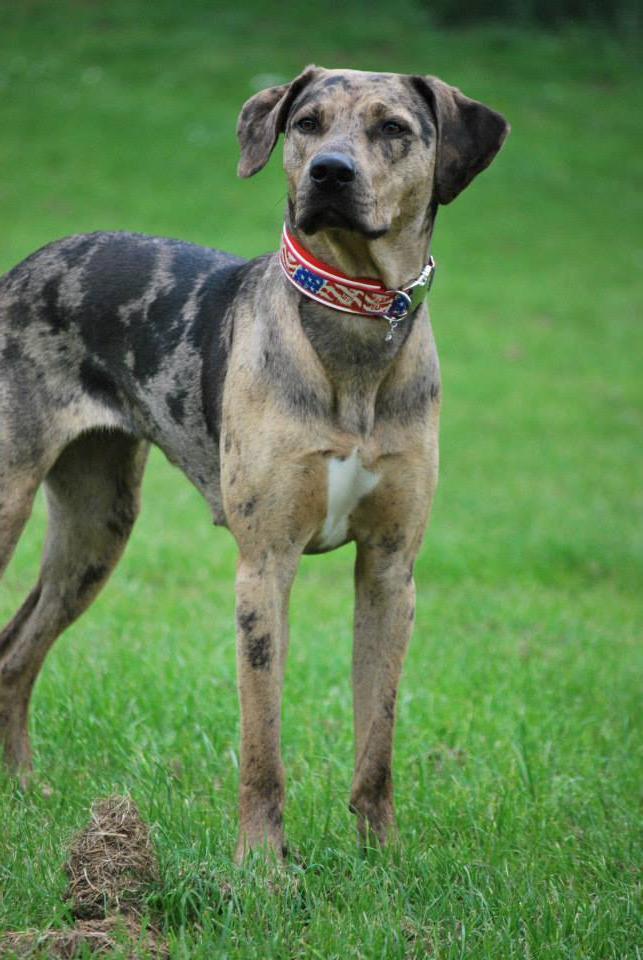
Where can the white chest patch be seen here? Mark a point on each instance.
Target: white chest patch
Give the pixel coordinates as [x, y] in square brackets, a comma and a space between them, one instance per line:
[348, 482]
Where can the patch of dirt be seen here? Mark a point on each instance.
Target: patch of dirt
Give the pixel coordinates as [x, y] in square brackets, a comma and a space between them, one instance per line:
[110, 865]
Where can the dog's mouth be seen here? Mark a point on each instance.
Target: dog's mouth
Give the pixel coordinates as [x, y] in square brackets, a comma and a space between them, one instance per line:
[330, 215]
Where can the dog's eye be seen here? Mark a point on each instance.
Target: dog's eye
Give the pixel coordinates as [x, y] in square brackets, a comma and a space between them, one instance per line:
[391, 128]
[307, 124]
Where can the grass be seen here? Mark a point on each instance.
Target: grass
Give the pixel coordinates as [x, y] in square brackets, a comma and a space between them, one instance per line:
[518, 755]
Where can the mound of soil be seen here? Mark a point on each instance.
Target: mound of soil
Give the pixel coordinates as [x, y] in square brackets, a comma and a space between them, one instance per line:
[111, 861]
[109, 867]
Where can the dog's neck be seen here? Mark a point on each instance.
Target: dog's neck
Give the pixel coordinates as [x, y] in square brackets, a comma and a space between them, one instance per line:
[352, 349]
[397, 258]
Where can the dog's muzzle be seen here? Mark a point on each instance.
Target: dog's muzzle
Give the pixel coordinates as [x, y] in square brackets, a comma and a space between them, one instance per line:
[331, 197]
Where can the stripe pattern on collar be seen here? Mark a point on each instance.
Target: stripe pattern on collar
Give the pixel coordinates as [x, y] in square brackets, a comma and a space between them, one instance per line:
[322, 283]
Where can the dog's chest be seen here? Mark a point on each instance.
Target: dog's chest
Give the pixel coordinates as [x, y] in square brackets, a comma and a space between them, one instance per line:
[348, 481]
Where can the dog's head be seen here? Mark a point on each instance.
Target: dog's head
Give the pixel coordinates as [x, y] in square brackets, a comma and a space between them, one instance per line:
[365, 150]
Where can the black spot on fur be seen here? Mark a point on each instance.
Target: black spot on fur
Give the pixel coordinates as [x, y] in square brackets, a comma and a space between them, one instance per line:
[12, 351]
[247, 620]
[424, 109]
[120, 530]
[55, 315]
[411, 401]
[218, 299]
[375, 787]
[394, 149]
[123, 516]
[73, 249]
[92, 575]
[307, 98]
[335, 82]
[392, 543]
[165, 325]
[314, 96]
[258, 650]
[380, 779]
[176, 405]
[430, 216]
[98, 383]
[249, 506]
[262, 780]
[118, 272]
[19, 314]
[427, 130]
[350, 354]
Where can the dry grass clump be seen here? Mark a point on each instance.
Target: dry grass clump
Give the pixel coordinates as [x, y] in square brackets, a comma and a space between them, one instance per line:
[110, 864]
[111, 861]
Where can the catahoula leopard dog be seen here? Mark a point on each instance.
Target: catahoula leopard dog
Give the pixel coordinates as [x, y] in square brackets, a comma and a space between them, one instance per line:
[299, 392]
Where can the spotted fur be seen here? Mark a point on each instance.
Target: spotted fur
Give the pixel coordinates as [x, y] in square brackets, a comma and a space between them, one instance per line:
[110, 342]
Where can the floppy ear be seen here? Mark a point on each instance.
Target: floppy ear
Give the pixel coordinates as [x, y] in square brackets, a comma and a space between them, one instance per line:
[262, 118]
[469, 135]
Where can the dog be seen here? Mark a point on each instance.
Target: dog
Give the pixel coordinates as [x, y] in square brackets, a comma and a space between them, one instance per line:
[298, 391]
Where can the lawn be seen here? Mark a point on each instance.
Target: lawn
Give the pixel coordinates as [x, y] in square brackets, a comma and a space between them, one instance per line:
[518, 748]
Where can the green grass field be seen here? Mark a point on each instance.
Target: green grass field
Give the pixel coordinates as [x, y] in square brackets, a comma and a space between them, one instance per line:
[518, 749]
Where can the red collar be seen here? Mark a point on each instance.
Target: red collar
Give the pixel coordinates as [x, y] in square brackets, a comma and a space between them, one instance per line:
[358, 295]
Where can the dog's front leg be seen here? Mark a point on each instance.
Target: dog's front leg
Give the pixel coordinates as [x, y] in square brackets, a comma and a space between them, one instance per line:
[384, 612]
[263, 587]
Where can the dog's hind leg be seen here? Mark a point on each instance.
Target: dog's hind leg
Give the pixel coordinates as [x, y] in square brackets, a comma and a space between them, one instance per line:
[15, 506]
[20, 477]
[92, 498]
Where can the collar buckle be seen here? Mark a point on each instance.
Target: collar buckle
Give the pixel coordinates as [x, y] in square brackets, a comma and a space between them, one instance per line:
[401, 306]
[411, 297]
[408, 300]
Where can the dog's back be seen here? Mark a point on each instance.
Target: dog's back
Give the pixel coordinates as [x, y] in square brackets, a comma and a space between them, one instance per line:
[112, 330]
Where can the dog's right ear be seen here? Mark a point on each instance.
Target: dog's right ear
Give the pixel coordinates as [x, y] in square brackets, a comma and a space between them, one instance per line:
[262, 118]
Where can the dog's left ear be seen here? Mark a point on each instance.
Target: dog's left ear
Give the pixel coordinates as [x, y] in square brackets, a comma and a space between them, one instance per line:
[469, 135]
[262, 118]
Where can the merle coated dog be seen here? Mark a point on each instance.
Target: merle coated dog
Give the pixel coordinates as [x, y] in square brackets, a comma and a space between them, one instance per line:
[299, 392]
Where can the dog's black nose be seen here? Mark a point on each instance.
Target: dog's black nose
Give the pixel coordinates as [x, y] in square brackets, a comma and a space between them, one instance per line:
[332, 171]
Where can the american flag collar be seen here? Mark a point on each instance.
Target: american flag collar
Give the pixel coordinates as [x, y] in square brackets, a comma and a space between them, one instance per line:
[362, 296]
